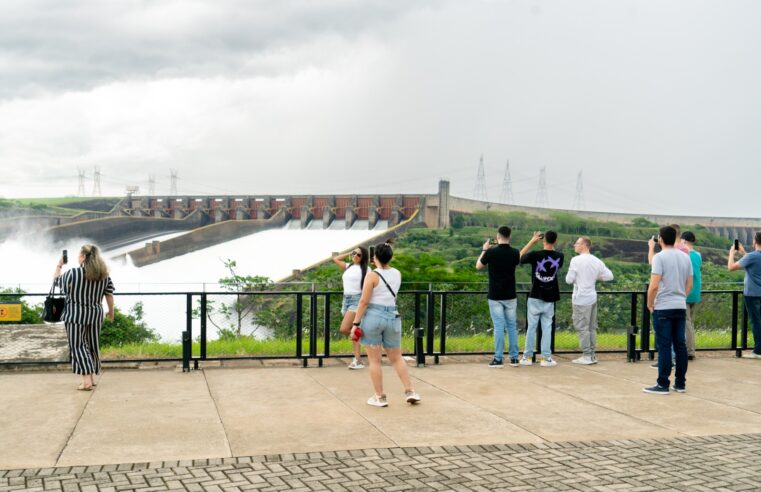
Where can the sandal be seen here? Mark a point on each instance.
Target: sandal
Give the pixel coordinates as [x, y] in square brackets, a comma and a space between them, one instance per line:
[82, 387]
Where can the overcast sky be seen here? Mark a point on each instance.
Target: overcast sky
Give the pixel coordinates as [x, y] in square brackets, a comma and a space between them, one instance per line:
[657, 102]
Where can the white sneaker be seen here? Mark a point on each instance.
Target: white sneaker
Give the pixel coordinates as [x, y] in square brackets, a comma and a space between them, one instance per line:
[412, 397]
[584, 360]
[548, 362]
[356, 364]
[526, 362]
[378, 401]
[753, 355]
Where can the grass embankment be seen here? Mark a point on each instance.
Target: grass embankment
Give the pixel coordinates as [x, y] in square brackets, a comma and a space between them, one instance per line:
[66, 206]
[564, 342]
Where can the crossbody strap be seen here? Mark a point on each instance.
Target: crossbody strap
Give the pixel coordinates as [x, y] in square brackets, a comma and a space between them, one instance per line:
[384, 281]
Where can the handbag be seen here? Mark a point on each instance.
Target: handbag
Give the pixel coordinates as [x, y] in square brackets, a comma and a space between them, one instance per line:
[53, 308]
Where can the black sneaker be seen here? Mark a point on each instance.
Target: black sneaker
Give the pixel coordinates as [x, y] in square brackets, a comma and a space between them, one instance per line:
[514, 361]
[678, 389]
[496, 363]
[657, 390]
[690, 357]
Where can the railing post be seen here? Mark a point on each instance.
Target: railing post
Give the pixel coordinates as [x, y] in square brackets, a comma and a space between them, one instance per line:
[552, 333]
[326, 328]
[735, 305]
[744, 326]
[442, 327]
[186, 344]
[312, 325]
[645, 337]
[203, 326]
[299, 326]
[429, 319]
[419, 333]
[188, 347]
[631, 337]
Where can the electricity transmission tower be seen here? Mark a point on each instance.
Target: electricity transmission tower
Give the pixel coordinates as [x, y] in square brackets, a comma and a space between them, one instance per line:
[96, 190]
[479, 193]
[151, 185]
[81, 188]
[507, 187]
[173, 187]
[541, 193]
[578, 199]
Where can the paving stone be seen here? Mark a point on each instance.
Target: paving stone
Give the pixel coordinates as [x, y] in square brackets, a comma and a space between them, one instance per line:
[700, 463]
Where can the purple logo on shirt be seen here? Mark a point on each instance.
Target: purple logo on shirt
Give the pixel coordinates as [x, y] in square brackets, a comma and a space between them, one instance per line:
[545, 273]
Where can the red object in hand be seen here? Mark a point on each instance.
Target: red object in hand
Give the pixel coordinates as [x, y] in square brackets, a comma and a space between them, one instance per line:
[356, 334]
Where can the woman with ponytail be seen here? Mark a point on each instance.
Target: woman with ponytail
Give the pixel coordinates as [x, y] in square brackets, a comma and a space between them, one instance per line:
[353, 280]
[84, 288]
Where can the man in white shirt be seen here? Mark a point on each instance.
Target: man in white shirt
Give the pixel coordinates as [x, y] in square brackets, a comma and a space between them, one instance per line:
[584, 272]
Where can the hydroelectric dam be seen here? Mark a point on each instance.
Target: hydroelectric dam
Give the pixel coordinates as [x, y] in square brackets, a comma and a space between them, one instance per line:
[203, 221]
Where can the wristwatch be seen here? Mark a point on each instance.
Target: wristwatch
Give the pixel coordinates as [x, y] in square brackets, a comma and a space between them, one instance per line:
[355, 324]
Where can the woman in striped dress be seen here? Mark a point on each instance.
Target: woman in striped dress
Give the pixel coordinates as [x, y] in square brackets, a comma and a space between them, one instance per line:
[84, 288]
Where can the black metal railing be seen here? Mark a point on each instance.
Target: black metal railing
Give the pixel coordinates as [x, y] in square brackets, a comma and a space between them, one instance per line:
[431, 317]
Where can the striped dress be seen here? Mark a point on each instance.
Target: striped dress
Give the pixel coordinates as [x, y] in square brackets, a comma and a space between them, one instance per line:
[83, 317]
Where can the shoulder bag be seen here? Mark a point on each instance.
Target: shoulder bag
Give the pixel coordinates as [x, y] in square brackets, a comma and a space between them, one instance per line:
[53, 308]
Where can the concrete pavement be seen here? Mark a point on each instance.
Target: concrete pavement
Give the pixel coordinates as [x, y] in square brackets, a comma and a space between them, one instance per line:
[142, 416]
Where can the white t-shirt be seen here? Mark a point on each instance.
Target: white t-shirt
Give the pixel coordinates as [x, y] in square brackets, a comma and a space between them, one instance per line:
[352, 278]
[381, 294]
[585, 270]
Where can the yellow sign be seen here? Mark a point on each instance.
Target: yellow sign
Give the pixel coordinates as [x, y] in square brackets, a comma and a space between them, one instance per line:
[10, 312]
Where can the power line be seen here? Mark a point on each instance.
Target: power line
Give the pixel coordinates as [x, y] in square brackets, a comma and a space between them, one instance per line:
[541, 193]
[96, 190]
[173, 187]
[507, 187]
[578, 199]
[81, 187]
[479, 193]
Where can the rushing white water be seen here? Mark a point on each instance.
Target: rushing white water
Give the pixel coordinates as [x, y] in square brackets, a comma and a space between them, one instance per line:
[273, 254]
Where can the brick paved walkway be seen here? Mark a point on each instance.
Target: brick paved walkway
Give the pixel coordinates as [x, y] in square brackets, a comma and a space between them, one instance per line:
[689, 463]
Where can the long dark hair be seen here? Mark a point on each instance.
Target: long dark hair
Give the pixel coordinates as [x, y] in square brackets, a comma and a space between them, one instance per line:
[363, 264]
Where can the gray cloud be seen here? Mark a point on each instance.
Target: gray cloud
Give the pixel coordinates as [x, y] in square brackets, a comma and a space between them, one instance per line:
[48, 45]
[657, 102]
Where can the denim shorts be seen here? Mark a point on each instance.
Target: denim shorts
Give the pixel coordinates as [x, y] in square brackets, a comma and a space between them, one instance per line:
[381, 325]
[351, 303]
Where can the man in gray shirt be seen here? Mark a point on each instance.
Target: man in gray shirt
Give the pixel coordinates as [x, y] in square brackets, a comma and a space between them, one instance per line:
[670, 282]
[751, 263]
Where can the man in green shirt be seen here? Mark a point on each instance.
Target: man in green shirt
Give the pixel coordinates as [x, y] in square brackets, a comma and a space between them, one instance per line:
[693, 298]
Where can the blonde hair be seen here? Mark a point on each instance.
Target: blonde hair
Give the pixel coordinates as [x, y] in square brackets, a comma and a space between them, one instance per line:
[587, 242]
[94, 265]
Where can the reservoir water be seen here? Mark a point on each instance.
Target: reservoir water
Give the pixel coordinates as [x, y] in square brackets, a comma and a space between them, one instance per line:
[274, 253]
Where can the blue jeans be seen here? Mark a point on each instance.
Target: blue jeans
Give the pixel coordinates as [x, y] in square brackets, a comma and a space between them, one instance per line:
[350, 303]
[381, 325]
[753, 305]
[539, 311]
[504, 315]
[669, 332]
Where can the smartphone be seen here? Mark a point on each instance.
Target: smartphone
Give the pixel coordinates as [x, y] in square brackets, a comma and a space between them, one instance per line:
[541, 236]
[492, 241]
[65, 256]
[372, 252]
[737, 245]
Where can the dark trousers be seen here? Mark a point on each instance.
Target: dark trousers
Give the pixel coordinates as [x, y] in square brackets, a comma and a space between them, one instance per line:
[753, 306]
[669, 334]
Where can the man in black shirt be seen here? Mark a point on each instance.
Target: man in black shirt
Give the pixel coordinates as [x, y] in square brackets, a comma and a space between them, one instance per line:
[502, 260]
[545, 267]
